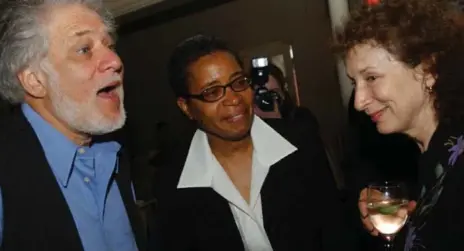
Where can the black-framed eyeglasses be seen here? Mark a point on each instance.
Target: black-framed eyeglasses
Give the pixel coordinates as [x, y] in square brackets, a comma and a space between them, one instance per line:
[215, 93]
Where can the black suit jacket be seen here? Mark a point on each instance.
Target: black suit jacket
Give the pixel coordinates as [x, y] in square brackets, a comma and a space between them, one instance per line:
[301, 205]
[35, 213]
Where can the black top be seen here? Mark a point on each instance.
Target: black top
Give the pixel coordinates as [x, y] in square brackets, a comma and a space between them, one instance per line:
[301, 205]
[370, 156]
[437, 223]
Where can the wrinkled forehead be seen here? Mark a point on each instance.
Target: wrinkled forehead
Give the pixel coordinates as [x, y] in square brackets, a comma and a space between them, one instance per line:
[67, 21]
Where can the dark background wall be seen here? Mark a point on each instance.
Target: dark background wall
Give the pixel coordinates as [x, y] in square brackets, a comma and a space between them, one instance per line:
[304, 24]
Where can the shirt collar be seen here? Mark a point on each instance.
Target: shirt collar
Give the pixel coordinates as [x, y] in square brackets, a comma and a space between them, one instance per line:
[269, 146]
[60, 152]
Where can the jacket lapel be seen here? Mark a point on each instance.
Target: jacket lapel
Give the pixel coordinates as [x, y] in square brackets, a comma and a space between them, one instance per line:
[216, 216]
[123, 179]
[32, 168]
[274, 196]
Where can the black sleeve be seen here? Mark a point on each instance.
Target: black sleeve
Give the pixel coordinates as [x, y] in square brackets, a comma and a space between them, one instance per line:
[321, 216]
[334, 231]
[170, 228]
[171, 222]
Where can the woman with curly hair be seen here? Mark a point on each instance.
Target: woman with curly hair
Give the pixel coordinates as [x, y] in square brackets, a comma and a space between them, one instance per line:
[406, 61]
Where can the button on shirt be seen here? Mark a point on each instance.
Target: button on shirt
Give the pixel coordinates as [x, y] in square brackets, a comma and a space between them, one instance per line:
[201, 169]
[85, 177]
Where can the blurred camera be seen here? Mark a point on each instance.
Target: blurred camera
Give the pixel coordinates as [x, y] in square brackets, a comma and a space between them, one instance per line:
[263, 98]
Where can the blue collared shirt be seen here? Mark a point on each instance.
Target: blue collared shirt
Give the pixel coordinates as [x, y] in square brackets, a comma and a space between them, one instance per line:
[84, 175]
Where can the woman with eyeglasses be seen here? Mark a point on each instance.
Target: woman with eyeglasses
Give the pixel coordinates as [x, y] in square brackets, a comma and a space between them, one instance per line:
[240, 183]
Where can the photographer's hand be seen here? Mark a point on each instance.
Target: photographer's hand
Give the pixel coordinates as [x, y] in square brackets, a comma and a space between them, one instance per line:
[275, 114]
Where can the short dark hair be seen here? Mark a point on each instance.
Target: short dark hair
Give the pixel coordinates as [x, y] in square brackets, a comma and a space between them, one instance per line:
[287, 104]
[415, 31]
[188, 52]
[277, 73]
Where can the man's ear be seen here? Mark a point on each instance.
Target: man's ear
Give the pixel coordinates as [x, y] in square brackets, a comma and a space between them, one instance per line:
[33, 82]
[182, 104]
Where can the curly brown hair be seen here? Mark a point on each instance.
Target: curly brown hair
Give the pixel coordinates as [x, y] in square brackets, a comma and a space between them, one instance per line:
[415, 31]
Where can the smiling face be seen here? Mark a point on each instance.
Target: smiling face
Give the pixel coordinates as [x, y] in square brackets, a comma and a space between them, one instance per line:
[80, 80]
[228, 118]
[393, 94]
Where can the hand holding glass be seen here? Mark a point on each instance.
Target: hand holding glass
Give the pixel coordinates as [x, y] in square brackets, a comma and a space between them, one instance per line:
[387, 206]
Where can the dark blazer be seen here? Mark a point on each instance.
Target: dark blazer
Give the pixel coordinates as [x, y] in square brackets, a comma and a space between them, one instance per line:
[436, 223]
[301, 205]
[35, 213]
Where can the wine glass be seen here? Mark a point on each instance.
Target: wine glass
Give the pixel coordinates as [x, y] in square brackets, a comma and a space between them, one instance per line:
[387, 204]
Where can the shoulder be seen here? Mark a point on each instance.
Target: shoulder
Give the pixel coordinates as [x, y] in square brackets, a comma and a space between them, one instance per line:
[310, 154]
[170, 159]
[13, 128]
[447, 143]
[455, 148]
[301, 133]
[304, 115]
[18, 147]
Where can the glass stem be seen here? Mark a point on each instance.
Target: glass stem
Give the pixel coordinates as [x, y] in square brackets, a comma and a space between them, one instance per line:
[388, 244]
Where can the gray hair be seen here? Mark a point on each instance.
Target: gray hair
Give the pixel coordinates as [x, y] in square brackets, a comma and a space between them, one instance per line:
[24, 42]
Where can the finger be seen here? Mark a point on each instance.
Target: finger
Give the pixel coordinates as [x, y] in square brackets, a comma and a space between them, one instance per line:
[374, 232]
[362, 204]
[368, 225]
[412, 206]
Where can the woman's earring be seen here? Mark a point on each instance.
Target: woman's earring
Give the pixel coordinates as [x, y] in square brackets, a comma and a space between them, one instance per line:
[429, 89]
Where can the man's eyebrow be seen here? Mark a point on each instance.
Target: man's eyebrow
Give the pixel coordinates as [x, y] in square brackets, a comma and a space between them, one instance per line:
[83, 32]
[80, 33]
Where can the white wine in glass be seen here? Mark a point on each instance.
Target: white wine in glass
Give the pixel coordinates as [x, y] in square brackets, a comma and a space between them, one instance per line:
[387, 206]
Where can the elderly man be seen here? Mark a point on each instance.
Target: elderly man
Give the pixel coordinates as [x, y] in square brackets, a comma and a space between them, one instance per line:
[60, 188]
